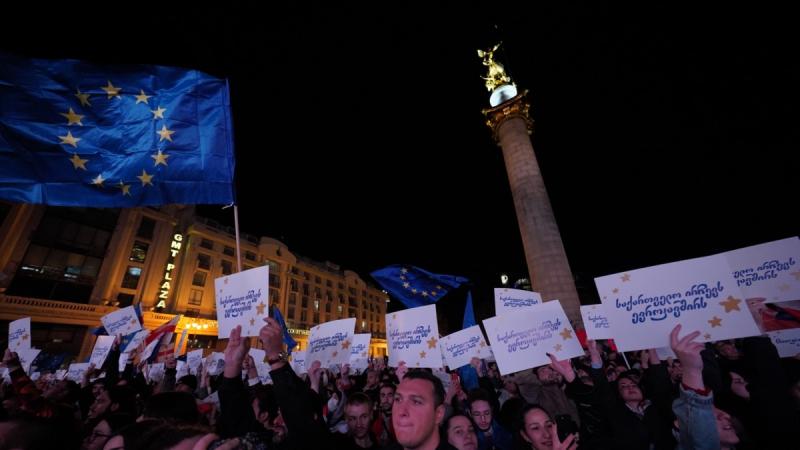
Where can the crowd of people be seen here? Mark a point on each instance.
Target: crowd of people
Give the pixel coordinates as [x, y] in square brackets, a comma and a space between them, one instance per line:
[726, 395]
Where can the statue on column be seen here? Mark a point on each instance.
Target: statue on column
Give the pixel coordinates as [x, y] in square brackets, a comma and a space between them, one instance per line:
[497, 74]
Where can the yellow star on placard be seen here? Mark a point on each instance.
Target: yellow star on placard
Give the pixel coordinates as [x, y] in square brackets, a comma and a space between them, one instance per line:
[625, 278]
[715, 322]
[422, 354]
[24, 337]
[345, 345]
[432, 342]
[566, 333]
[557, 347]
[126, 188]
[165, 133]
[796, 275]
[145, 178]
[111, 90]
[73, 118]
[615, 290]
[363, 354]
[483, 344]
[731, 304]
[394, 316]
[98, 181]
[335, 353]
[707, 336]
[260, 308]
[77, 162]
[84, 98]
[161, 158]
[69, 139]
[133, 321]
[252, 321]
[158, 113]
[142, 98]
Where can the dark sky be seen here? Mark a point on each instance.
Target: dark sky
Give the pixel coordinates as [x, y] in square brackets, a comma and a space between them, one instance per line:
[662, 133]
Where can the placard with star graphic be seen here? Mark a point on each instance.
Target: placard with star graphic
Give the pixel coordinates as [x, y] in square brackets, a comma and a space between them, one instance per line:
[412, 336]
[596, 322]
[19, 335]
[122, 321]
[359, 352]
[26, 358]
[509, 300]
[700, 294]
[787, 342]
[460, 347]
[298, 362]
[329, 343]
[522, 340]
[102, 347]
[242, 299]
[770, 271]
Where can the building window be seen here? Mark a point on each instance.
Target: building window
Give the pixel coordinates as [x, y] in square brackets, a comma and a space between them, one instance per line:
[351, 290]
[339, 308]
[250, 255]
[295, 271]
[293, 285]
[227, 267]
[146, 228]
[124, 300]
[205, 243]
[274, 280]
[316, 318]
[196, 297]
[131, 278]
[328, 307]
[352, 301]
[139, 252]
[317, 292]
[316, 305]
[203, 261]
[291, 312]
[328, 283]
[292, 299]
[317, 280]
[305, 302]
[199, 278]
[305, 289]
[229, 251]
[363, 293]
[363, 325]
[303, 316]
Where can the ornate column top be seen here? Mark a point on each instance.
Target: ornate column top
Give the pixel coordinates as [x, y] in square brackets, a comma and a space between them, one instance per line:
[517, 106]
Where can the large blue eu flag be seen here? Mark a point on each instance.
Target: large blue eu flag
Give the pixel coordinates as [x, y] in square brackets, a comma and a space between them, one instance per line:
[414, 286]
[80, 134]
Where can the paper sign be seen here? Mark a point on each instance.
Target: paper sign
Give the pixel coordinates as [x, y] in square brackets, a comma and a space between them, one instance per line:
[258, 355]
[76, 371]
[26, 358]
[329, 343]
[774, 316]
[4, 375]
[156, 372]
[216, 363]
[787, 342]
[242, 299]
[212, 398]
[19, 335]
[770, 271]
[444, 377]
[522, 340]
[298, 362]
[122, 321]
[665, 353]
[102, 346]
[508, 300]
[596, 322]
[181, 369]
[61, 374]
[123, 361]
[460, 347]
[193, 359]
[137, 340]
[413, 337]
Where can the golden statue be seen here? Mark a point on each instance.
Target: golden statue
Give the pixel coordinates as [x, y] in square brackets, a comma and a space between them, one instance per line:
[497, 74]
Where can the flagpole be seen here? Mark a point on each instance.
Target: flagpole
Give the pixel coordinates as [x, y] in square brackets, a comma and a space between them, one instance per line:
[238, 247]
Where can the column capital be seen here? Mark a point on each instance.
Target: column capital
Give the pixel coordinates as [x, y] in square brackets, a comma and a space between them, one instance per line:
[514, 107]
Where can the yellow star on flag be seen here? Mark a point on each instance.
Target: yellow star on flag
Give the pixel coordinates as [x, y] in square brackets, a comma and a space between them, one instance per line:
[111, 90]
[126, 188]
[439, 287]
[625, 278]
[414, 290]
[77, 162]
[406, 285]
[433, 293]
[424, 294]
[69, 139]
[404, 270]
[84, 98]
[99, 180]
[715, 322]
[73, 118]
[145, 178]
[160, 158]
[432, 342]
[731, 304]
[345, 345]
[557, 347]
[422, 354]
[142, 98]
[165, 133]
[260, 308]
[158, 113]
[566, 333]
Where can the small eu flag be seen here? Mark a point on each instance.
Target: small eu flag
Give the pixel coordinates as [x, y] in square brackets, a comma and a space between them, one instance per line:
[414, 286]
[80, 134]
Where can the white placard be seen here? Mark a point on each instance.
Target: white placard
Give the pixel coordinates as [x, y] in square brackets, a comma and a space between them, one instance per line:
[156, 372]
[522, 340]
[460, 347]
[76, 371]
[61, 374]
[19, 335]
[329, 343]
[413, 337]
[509, 300]
[242, 299]
[102, 347]
[26, 358]
[298, 362]
[122, 321]
[644, 305]
[181, 369]
[359, 348]
[258, 355]
[596, 322]
[665, 353]
[123, 361]
[136, 341]
[216, 363]
[787, 342]
[193, 360]
[770, 271]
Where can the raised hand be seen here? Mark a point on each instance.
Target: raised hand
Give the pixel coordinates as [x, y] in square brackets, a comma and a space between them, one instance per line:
[401, 371]
[314, 375]
[568, 444]
[234, 353]
[563, 367]
[271, 336]
[688, 352]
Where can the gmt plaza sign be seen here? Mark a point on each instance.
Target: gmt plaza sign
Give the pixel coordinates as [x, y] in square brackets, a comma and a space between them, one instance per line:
[166, 283]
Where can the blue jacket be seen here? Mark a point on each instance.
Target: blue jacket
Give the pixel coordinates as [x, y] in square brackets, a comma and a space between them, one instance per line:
[500, 437]
[698, 425]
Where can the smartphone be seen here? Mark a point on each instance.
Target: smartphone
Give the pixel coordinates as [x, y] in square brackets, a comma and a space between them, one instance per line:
[566, 426]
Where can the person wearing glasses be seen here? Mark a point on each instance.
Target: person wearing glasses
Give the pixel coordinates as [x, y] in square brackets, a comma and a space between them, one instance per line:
[491, 435]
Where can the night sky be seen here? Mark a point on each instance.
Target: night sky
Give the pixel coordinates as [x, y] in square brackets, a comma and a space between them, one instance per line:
[662, 133]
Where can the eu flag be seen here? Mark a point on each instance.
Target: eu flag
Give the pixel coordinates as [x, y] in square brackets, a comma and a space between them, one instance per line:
[79, 134]
[414, 286]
